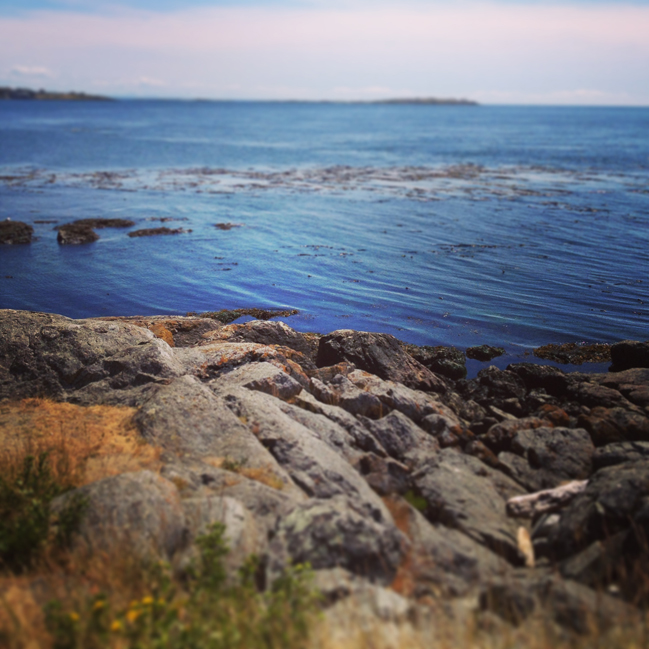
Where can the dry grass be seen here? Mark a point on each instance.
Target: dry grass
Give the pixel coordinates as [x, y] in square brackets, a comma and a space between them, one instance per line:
[263, 474]
[84, 444]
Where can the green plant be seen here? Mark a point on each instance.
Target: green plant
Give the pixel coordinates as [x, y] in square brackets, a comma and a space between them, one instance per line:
[205, 611]
[25, 496]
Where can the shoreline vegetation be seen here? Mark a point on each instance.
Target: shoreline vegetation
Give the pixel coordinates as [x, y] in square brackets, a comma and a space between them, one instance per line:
[190, 481]
[27, 94]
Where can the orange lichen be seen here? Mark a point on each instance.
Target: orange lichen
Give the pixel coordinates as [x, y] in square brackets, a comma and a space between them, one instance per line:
[160, 331]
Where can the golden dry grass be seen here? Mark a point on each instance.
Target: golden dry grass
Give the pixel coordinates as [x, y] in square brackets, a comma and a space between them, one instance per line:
[84, 444]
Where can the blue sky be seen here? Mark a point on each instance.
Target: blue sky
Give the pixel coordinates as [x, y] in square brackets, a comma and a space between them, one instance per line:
[496, 51]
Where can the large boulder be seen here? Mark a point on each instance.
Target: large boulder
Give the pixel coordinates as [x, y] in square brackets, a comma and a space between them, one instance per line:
[137, 513]
[379, 354]
[337, 532]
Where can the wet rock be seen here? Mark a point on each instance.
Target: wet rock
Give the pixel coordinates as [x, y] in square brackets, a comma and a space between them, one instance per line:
[74, 235]
[629, 354]
[494, 388]
[575, 353]
[379, 354]
[446, 361]
[609, 425]
[141, 511]
[15, 232]
[226, 316]
[484, 352]
[227, 226]
[337, 533]
[552, 379]
[150, 232]
[462, 493]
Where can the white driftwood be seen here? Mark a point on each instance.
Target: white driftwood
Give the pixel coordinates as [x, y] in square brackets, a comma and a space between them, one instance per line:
[543, 502]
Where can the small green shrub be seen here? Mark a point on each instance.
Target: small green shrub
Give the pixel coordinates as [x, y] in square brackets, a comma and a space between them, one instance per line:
[25, 497]
[208, 611]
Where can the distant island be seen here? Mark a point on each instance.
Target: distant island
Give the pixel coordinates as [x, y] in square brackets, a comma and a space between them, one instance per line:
[41, 95]
[427, 100]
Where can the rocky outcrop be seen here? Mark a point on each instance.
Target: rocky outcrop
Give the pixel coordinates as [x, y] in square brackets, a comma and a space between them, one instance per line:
[15, 232]
[388, 478]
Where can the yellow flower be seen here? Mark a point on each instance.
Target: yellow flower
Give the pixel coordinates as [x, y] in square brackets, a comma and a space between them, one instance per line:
[161, 601]
[99, 604]
[147, 601]
[116, 626]
[74, 616]
[132, 615]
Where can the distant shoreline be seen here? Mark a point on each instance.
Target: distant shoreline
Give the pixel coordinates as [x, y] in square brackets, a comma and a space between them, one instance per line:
[27, 94]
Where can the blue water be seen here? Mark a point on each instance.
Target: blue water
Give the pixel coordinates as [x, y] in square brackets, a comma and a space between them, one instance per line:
[515, 226]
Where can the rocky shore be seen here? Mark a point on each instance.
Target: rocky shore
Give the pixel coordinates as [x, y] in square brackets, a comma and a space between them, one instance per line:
[519, 493]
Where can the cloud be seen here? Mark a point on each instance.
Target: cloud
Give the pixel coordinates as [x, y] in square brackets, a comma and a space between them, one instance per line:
[30, 71]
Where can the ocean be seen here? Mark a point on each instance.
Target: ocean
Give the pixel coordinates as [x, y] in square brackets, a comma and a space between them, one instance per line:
[443, 225]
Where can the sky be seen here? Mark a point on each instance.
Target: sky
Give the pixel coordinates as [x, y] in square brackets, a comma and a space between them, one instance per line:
[493, 51]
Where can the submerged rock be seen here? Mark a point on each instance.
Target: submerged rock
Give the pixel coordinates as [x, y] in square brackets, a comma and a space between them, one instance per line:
[74, 235]
[447, 361]
[15, 232]
[575, 353]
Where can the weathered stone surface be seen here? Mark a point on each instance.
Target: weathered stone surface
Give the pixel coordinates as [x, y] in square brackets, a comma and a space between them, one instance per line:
[628, 354]
[462, 493]
[265, 332]
[499, 437]
[484, 352]
[543, 458]
[403, 439]
[615, 500]
[415, 404]
[15, 232]
[441, 561]
[494, 388]
[241, 534]
[445, 361]
[263, 377]
[380, 354]
[43, 354]
[619, 453]
[610, 425]
[138, 511]
[338, 533]
[570, 604]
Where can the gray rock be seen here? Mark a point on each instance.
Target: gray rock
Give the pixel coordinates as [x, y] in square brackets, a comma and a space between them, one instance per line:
[544, 458]
[619, 453]
[263, 377]
[319, 470]
[615, 500]
[354, 400]
[569, 604]
[380, 354]
[464, 494]
[403, 439]
[74, 234]
[611, 425]
[414, 404]
[338, 533]
[265, 332]
[132, 512]
[43, 354]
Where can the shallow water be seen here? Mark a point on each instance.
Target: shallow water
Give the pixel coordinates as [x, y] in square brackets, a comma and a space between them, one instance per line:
[515, 226]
